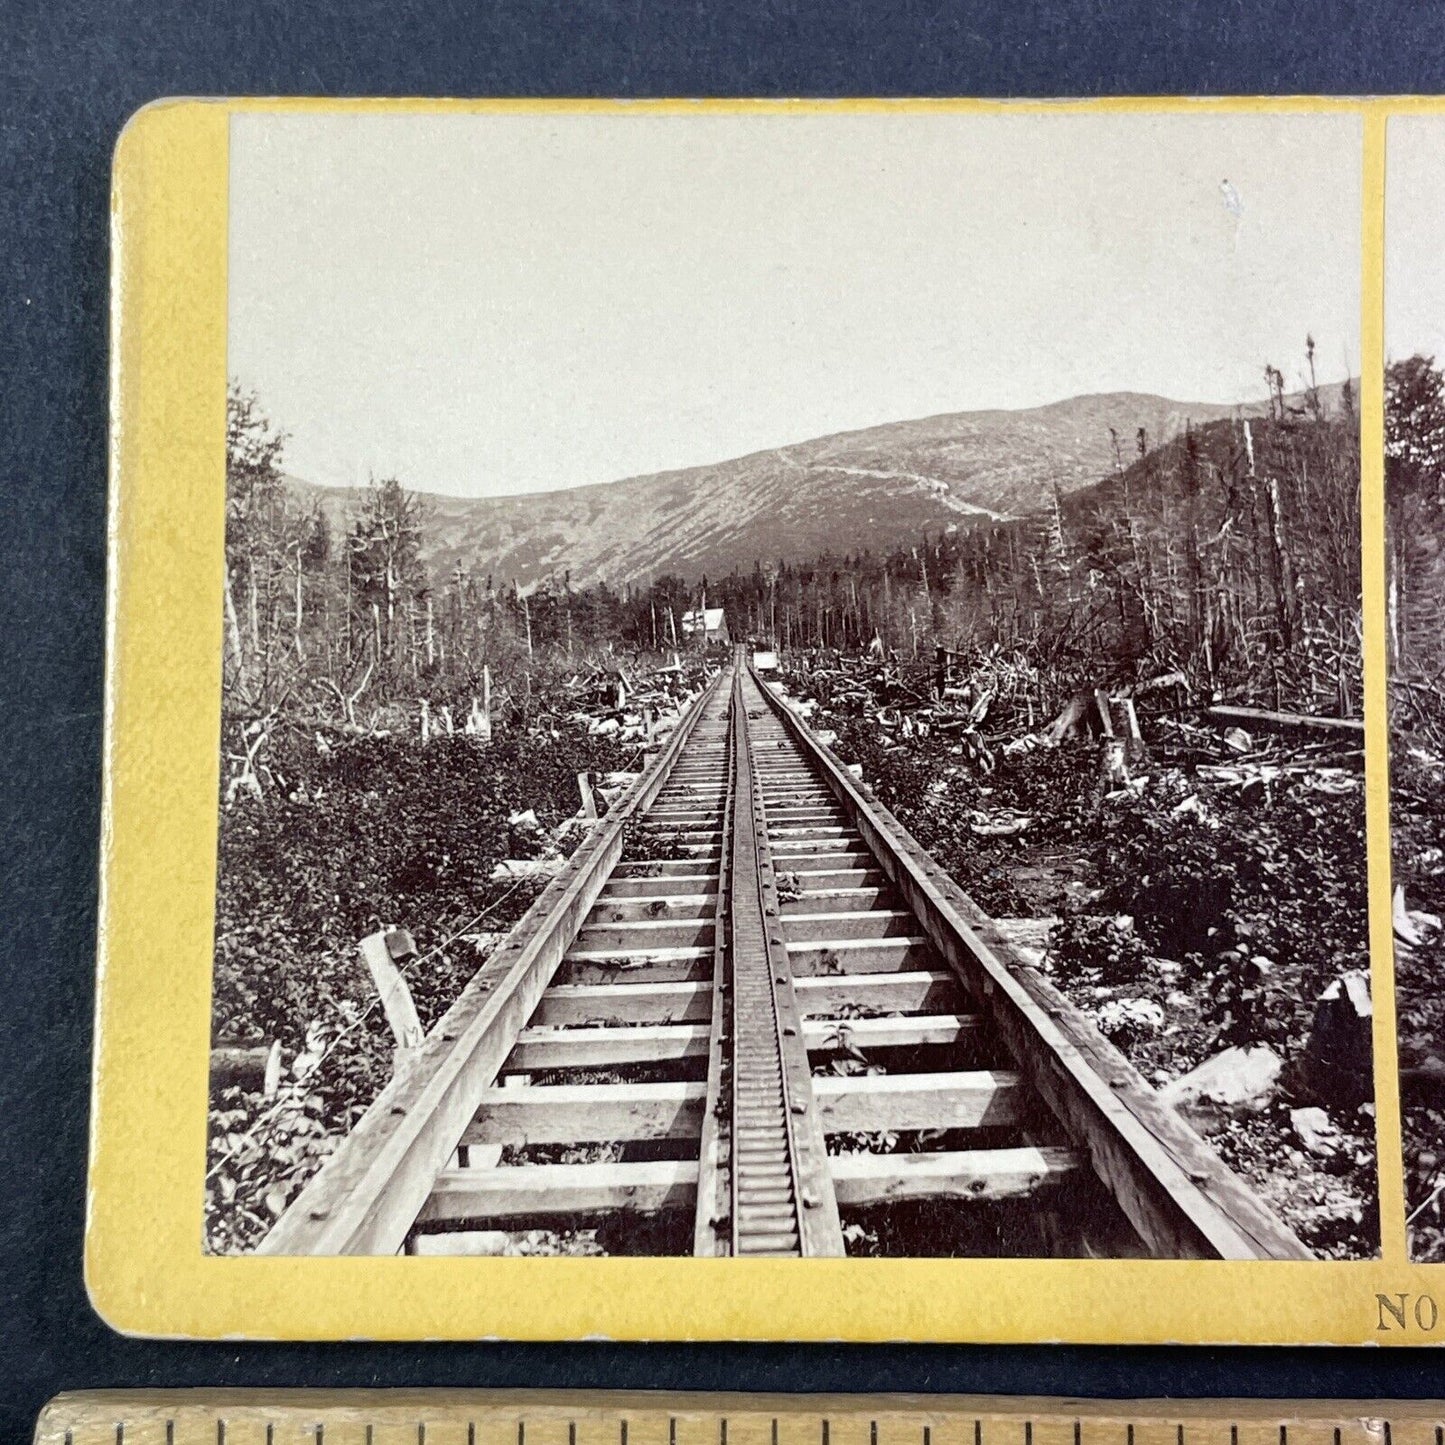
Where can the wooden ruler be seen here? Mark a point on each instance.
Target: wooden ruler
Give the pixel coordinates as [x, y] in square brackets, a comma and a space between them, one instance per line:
[449, 1417]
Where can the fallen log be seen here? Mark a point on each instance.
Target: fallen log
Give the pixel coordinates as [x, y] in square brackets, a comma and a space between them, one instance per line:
[1250, 717]
[256, 1070]
[1164, 680]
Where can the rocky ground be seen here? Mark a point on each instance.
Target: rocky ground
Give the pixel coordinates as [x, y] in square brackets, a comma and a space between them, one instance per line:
[1196, 909]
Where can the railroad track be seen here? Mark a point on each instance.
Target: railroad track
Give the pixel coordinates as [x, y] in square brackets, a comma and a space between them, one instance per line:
[752, 1017]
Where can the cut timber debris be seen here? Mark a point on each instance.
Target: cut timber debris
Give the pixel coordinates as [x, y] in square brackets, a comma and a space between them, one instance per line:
[1261, 721]
[1412, 927]
[589, 803]
[1094, 713]
[381, 952]
[1253, 778]
[609, 702]
[257, 1070]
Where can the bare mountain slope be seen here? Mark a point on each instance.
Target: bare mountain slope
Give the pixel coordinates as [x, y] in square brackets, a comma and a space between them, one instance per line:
[843, 493]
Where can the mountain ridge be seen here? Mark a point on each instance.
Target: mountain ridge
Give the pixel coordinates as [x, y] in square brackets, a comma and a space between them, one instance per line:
[866, 488]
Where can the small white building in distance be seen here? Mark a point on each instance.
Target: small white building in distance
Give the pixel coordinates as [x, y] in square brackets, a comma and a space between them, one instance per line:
[709, 623]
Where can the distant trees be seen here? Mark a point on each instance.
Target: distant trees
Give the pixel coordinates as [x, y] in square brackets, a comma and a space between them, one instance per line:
[386, 582]
[302, 606]
[1230, 553]
[321, 606]
[271, 545]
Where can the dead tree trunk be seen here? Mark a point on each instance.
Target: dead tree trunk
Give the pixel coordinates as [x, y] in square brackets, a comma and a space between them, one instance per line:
[233, 631]
[300, 655]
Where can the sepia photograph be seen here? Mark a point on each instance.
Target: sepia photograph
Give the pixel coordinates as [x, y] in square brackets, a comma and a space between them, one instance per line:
[1415, 609]
[792, 686]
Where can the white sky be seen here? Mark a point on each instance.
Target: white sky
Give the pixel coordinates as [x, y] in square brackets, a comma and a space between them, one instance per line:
[486, 304]
[1415, 236]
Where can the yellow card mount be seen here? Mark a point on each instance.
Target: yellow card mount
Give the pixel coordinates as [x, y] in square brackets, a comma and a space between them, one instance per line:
[548, 954]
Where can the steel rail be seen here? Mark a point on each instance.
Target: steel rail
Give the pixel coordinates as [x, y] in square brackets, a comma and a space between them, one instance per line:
[367, 1196]
[1175, 1191]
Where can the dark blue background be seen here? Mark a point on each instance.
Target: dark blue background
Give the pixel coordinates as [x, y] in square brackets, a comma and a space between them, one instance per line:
[69, 76]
